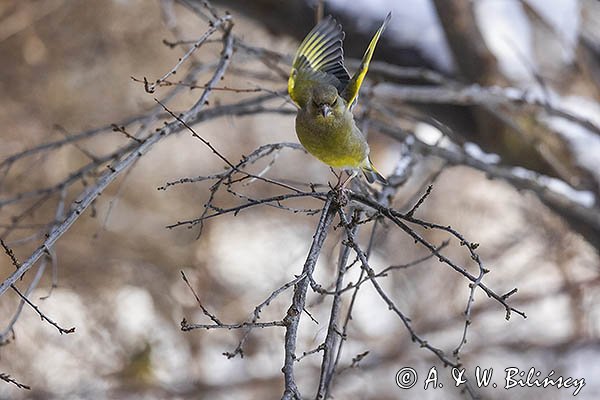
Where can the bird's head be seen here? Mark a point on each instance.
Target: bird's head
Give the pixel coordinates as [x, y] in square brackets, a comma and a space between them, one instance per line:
[324, 100]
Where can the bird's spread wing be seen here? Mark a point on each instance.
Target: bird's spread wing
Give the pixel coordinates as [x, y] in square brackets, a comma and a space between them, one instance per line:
[350, 93]
[319, 59]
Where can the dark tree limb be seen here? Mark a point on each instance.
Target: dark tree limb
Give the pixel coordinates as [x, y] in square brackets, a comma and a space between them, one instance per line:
[292, 319]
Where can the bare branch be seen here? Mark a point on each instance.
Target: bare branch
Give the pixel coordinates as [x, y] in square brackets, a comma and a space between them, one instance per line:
[41, 314]
[87, 197]
[392, 306]
[292, 319]
[7, 378]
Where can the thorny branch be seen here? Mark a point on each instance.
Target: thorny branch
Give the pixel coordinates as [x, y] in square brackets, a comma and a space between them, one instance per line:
[353, 208]
[7, 378]
[334, 203]
[115, 170]
[292, 319]
[397, 218]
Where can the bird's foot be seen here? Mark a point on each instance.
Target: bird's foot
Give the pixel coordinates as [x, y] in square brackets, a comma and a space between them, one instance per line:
[340, 188]
[339, 179]
[341, 185]
[348, 179]
[340, 196]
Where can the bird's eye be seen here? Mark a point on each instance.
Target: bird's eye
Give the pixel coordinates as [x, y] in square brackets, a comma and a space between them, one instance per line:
[334, 102]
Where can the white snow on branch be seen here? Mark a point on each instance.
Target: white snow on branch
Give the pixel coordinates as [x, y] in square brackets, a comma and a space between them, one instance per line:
[582, 197]
[476, 152]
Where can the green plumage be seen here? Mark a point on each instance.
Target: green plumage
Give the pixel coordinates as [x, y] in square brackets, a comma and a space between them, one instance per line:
[335, 140]
[322, 88]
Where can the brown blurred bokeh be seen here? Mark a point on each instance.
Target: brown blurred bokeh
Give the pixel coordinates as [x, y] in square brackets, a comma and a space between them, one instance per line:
[67, 67]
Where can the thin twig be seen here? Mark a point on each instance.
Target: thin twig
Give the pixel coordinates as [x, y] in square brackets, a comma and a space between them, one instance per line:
[7, 378]
[151, 88]
[41, 314]
[90, 195]
[351, 240]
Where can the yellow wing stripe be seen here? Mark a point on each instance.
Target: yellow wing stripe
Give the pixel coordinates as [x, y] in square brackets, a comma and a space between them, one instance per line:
[316, 47]
[320, 52]
[311, 45]
[324, 58]
[315, 50]
[307, 50]
[351, 91]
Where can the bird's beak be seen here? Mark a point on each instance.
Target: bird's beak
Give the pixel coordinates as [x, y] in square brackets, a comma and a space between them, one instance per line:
[325, 110]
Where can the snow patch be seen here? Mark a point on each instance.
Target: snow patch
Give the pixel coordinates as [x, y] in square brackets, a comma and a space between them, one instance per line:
[581, 197]
[507, 32]
[564, 16]
[476, 152]
[414, 22]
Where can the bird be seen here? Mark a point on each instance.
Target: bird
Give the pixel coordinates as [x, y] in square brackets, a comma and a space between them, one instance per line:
[321, 87]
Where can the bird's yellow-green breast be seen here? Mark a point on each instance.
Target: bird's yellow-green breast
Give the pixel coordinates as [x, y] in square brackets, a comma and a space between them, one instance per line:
[335, 139]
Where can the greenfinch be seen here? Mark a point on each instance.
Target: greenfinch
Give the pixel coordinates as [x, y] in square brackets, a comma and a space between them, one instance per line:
[320, 85]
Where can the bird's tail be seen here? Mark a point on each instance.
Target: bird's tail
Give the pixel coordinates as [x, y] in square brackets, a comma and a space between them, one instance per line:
[371, 173]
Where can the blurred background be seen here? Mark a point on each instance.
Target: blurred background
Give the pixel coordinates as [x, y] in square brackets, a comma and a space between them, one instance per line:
[497, 102]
